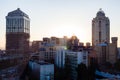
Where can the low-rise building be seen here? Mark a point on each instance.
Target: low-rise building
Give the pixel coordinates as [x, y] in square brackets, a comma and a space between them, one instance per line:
[42, 70]
[107, 52]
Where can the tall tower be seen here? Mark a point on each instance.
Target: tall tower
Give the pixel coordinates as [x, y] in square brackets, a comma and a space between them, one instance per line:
[17, 32]
[100, 28]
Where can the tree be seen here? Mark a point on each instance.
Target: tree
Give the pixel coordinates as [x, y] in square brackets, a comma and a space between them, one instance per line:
[117, 65]
[91, 70]
[108, 65]
[67, 69]
[82, 72]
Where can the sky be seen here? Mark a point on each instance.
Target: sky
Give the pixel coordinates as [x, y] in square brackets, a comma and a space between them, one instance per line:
[61, 17]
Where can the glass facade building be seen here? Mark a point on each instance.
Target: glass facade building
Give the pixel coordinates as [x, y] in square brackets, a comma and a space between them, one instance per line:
[17, 32]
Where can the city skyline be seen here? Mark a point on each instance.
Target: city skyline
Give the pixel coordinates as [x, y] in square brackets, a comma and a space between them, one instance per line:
[61, 18]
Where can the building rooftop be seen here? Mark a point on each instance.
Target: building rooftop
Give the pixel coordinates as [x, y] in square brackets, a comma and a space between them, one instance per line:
[100, 12]
[40, 62]
[102, 44]
[17, 12]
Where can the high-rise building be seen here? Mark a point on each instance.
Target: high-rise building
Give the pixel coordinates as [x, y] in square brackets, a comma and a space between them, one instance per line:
[106, 51]
[100, 28]
[17, 32]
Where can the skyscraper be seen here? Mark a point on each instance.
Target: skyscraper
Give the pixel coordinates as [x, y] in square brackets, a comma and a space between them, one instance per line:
[100, 28]
[17, 32]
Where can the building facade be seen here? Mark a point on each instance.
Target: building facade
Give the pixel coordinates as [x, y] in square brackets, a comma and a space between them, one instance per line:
[73, 59]
[107, 52]
[49, 48]
[102, 52]
[17, 32]
[100, 28]
[42, 70]
[60, 56]
[113, 51]
[47, 52]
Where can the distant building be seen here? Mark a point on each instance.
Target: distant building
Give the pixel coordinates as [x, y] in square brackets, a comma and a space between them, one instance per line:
[73, 43]
[47, 48]
[100, 28]
[17, 32]
[72, 60]
[47, 52]
[88, 44]
[41, 70]
[63, 41]
[102, 52]
[113, 51]
[35, 46]
[60, 56]
[81, 44]
[118, 52]
[107, 52]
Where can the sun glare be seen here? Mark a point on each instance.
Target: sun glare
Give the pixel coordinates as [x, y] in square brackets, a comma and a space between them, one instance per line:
[70, 31]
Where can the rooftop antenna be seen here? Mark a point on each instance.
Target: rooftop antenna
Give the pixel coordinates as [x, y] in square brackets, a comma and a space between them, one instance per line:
[18, 7]
[100, 9]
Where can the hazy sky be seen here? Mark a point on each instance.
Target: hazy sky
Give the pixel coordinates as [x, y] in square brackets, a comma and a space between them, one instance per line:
[61, 17]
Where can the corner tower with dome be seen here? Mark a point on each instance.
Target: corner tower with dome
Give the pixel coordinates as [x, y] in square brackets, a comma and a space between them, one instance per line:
[17, 32]
[100, 28]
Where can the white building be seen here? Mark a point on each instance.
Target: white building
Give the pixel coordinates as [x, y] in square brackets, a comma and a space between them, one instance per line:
[75, 58]
[42, 70]
[100, 28]
[60, 56]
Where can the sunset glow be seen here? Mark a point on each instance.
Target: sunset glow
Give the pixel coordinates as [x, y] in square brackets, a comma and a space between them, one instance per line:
[61, 17]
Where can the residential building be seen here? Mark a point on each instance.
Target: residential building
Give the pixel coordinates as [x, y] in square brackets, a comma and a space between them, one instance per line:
[41, 70]
[48, 48]
[35, 46]
[47, 52]
[107, 52]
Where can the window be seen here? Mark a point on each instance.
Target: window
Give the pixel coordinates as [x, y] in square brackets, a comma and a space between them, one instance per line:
[99, 36]
[99, 25]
